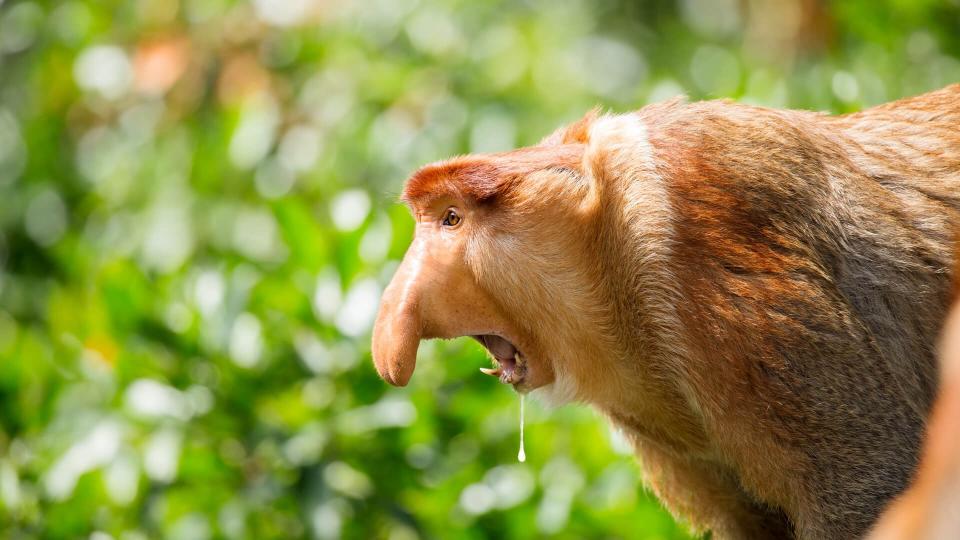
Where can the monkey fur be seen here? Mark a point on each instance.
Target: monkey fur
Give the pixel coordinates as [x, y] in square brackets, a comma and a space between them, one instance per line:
[751, 295]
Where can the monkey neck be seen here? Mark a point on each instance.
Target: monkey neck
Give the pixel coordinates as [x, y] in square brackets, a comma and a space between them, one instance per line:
[642, 392]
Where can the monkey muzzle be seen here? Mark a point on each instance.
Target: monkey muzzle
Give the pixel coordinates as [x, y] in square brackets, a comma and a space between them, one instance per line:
[431, 298]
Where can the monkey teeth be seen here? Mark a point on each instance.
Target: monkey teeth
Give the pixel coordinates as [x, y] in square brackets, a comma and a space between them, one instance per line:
[509, 365]
[508, 372]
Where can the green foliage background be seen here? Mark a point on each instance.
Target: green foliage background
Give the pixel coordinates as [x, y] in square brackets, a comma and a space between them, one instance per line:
[198, 212]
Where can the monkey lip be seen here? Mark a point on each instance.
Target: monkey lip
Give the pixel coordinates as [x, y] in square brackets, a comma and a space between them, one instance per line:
[511, 365]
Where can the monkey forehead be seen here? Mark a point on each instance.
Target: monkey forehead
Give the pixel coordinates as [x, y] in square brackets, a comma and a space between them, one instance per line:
[482, 177]
[465, 176]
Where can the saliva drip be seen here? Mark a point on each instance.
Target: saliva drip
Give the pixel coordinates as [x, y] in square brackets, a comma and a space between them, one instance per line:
[521, 455]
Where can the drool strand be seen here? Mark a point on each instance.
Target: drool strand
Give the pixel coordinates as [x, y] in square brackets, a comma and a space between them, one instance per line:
[521, 455]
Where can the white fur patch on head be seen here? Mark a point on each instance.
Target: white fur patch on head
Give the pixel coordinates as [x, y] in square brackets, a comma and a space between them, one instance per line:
[621, 159]
[620, 143]
[561, 391]
[619, 133]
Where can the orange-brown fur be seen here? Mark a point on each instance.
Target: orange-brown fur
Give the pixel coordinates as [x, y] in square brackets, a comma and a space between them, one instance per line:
[752, 295]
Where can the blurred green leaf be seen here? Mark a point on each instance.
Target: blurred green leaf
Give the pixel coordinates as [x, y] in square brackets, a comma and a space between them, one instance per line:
[199, 205]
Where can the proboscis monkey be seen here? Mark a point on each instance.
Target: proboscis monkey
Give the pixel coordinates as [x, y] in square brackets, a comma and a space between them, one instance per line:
[752, 295]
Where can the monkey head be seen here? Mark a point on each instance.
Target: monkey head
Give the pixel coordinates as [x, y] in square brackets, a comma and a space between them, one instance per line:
[493, 258]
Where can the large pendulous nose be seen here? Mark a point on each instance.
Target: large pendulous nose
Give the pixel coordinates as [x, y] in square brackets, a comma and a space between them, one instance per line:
[399, 325]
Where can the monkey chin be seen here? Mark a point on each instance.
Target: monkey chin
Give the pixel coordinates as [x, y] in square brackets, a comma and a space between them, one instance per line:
[512, 367]
[561, 391]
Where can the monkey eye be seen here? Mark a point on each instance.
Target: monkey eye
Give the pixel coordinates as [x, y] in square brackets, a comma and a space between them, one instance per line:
[451, 218]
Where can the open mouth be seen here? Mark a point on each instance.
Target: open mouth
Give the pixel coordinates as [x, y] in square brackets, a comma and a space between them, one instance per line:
[511, 366]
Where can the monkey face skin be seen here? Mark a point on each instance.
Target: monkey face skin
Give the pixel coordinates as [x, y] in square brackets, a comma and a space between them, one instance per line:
[752, 296]
[435, 294]
[465, 271]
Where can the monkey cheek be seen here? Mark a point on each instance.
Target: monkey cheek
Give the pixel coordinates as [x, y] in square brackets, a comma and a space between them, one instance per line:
[533, 375]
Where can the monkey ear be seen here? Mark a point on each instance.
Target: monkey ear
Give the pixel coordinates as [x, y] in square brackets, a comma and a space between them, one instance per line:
[575, 133]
